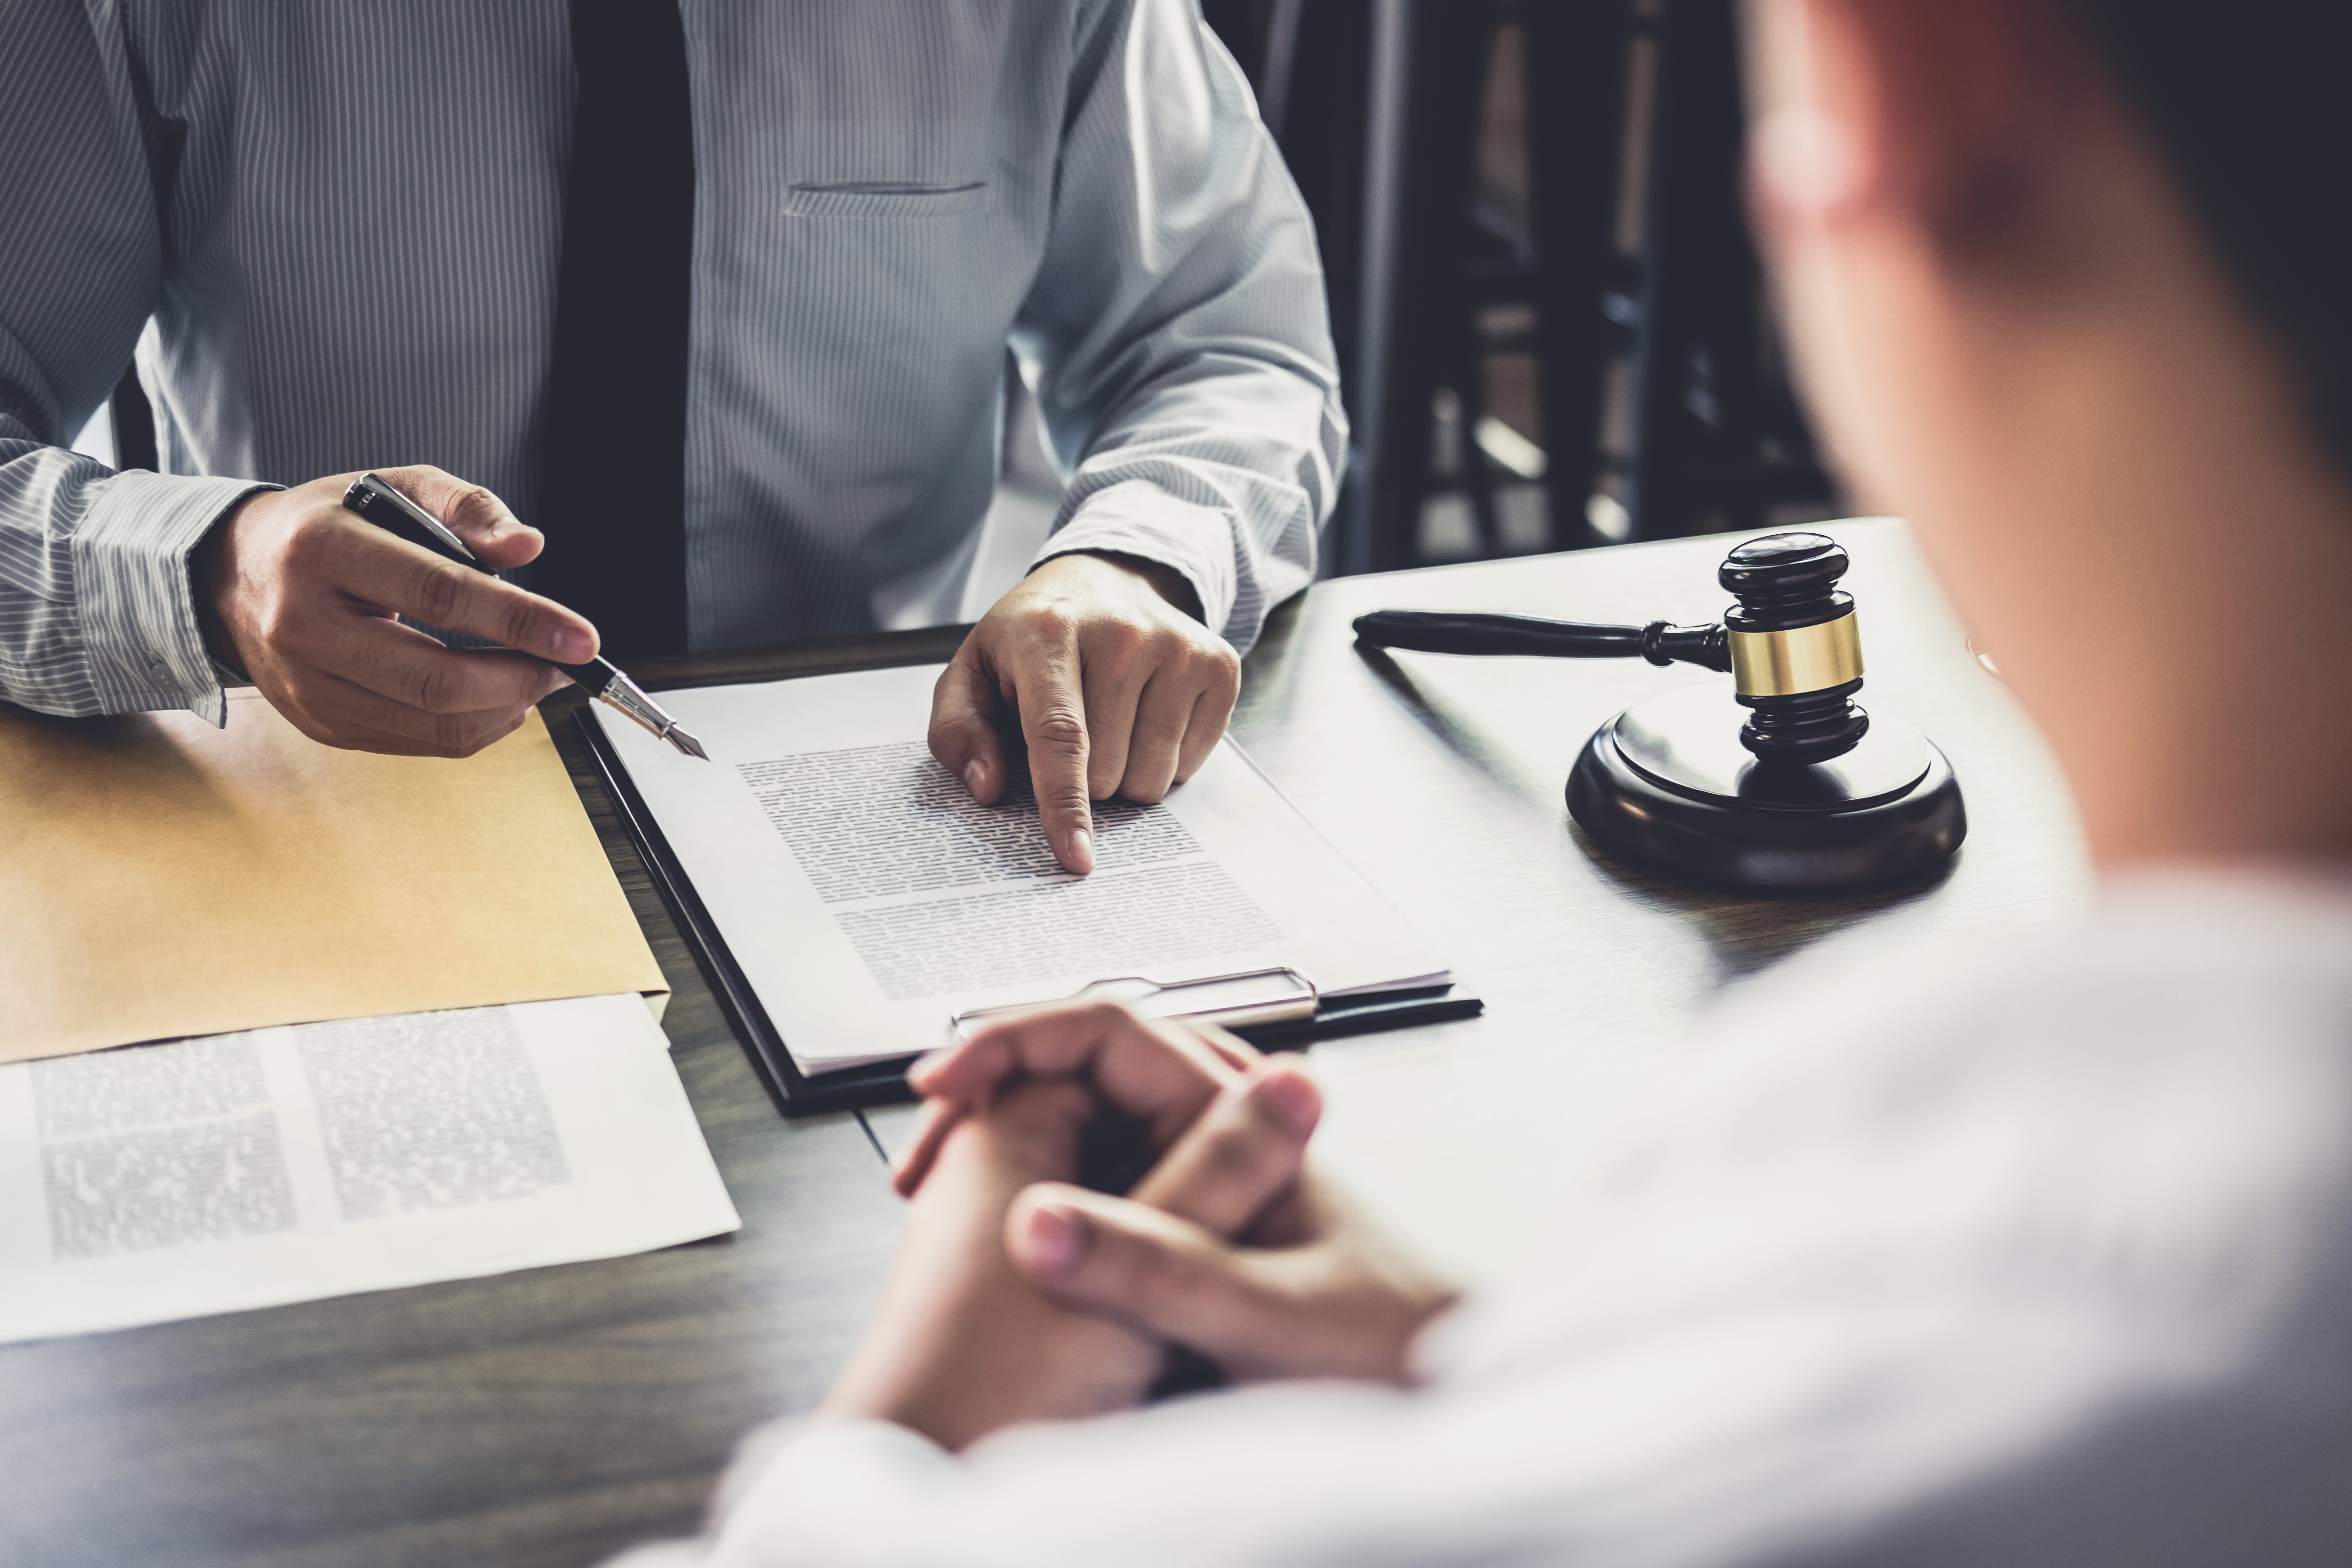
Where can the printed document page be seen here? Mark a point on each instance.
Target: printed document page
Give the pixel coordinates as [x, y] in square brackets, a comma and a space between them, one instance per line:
[169, 1181]
[867, 899]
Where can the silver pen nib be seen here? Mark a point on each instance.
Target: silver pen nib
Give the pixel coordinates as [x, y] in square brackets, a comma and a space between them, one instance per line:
[630, 698]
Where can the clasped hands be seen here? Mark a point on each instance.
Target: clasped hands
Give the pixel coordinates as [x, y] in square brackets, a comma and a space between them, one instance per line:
[1020, 1294]
[1094, 668]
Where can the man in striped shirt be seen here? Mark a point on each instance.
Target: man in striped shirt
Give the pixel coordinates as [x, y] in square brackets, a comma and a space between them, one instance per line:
[717, 296]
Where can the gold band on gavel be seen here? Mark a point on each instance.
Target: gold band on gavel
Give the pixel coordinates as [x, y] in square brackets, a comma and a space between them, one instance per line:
[1785, 664]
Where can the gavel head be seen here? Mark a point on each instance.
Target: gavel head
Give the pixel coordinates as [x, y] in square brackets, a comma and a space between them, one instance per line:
[1796, 653]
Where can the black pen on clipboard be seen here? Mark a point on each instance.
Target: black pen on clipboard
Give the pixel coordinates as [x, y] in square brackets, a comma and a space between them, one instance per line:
[386, 507]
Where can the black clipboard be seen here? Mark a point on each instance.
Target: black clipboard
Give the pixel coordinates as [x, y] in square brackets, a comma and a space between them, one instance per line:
[885, 1083]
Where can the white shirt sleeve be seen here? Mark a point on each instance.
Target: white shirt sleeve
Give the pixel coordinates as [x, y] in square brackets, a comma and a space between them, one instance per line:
[1295, 1474]
[2040, 1265]
[96, 614]
[1178, 324]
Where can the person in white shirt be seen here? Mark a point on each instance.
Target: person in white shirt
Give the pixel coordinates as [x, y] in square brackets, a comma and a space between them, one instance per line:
[2034, 1253]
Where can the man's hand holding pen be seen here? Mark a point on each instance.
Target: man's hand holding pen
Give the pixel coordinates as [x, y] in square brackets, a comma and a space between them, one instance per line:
[304, 598]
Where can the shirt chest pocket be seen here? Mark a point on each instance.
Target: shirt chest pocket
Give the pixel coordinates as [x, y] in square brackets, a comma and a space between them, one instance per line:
[885, 199]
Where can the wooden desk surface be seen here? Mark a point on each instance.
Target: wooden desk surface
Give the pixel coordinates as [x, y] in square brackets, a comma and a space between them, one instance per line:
[552, 1417]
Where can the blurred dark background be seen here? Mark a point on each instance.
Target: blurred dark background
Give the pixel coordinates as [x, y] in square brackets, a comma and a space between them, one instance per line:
[1548, 314]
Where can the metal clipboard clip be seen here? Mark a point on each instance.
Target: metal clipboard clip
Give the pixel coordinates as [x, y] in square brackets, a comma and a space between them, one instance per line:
[1236, 1001]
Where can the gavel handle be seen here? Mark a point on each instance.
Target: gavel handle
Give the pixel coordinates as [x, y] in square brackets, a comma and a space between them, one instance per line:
[1431, 631]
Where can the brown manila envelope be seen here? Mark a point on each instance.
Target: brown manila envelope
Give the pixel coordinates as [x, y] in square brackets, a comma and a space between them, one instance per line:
[160, 877]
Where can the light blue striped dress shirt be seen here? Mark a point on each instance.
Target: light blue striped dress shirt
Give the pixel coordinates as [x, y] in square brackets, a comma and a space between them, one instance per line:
[331, 231]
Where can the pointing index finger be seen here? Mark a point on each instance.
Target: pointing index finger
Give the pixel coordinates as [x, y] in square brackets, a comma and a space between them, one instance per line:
[1053, 722]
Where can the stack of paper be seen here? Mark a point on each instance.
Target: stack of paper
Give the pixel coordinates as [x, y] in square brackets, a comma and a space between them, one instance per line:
[162, 878]
[249, 1170]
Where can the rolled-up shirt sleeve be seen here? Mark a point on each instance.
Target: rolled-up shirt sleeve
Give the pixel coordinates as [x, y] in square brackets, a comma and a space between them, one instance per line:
[96, 612]
[1177, 325]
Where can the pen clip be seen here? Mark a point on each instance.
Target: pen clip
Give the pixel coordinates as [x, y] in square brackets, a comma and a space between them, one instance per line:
[370, 491]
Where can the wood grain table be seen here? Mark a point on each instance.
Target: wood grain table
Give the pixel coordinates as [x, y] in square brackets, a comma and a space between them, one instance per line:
[552, 1417]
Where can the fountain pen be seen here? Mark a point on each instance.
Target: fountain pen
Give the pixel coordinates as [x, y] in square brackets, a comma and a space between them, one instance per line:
[386, 507]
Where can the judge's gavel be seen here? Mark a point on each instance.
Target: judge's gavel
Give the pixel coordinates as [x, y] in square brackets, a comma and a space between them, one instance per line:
[1791, 645]
[1811, 798]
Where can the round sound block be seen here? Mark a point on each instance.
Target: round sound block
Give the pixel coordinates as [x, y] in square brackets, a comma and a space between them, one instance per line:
[1667, 785]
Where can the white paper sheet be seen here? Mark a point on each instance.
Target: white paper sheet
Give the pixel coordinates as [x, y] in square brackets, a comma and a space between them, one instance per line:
[211, 1175]
[868, 899]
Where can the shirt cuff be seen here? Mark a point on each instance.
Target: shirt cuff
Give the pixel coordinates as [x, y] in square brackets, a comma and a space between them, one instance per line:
[1137, 518]
[814, 1481]
[139, 626]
